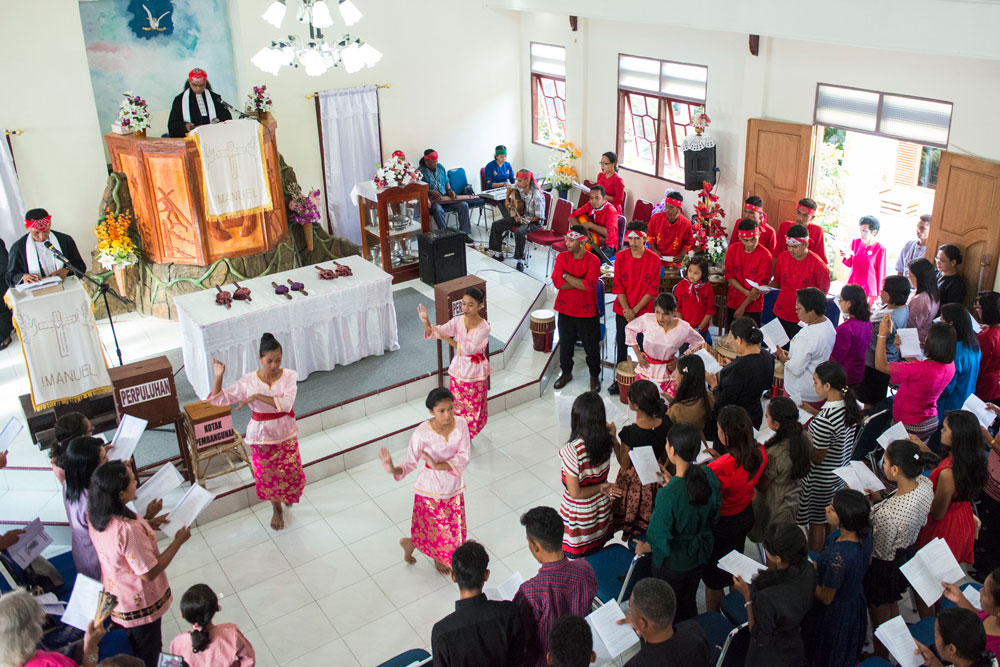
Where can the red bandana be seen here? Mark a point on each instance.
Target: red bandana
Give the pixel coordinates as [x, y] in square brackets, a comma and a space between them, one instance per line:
[807, 210]
[39, 225]
[197, 75]
[574, 235]
[673, 202]
[433, 155]
[743, 234]
[756, 209]
[399, 154]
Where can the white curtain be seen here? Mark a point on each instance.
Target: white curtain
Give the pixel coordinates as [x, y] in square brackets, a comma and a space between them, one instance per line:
[11, 202]
[351, 149]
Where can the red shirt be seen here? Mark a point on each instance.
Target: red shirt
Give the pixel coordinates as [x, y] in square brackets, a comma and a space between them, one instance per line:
[574, 302]
[767, 238]
[606, 217]
[670, 238]
[816, 242]
[988, 382]
[792, 275]
[694, 301]
[614, 188]
[636, 278]
[737, 485]
[742, 265]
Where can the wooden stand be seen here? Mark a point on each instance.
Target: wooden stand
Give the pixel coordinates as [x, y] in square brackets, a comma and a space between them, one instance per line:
[376, 232]
[448, 304]
[210, 433]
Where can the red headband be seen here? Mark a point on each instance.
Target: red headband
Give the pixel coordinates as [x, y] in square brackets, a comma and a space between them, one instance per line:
[197, 75]
[433, 155]
[525, 173]
[748, 233]
[400, 154]
[40, 225]
[795, 240]
[806, 209]
[673, 202]
[756, 209]
[574, 235]
[635, 234]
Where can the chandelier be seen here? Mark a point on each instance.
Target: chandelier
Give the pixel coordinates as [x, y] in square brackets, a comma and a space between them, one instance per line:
[315, 55]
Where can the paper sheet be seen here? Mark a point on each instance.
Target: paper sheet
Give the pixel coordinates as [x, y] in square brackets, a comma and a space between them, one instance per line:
[191, 505]
[159, 485]
[30, 544]
[616, 638]
[977, 328]
[736, 563]
[41, 284]
[645, 464]
[764, 434]
[976, 406]
[972, 594]
[774, 334]
[910, 343]
[805, 416]
[857, 476]
[51, 604]
[930, 566]
[82, 607]
[711, 365]
[10, 431]
[763, 289]
[896, 637]
[703, 455]
[507, 589]
[895, 432]
[126, 438]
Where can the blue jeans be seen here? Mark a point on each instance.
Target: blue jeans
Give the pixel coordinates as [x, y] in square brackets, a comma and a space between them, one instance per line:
[462, 208]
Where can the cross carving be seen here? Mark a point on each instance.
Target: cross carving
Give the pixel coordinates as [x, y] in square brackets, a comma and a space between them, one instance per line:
[58, 324]
[231, 151]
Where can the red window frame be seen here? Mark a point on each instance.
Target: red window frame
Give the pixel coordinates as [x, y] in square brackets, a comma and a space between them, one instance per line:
[547, 104]
[668, 158]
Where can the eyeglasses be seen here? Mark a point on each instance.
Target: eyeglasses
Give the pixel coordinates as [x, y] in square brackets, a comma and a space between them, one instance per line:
[602, 163]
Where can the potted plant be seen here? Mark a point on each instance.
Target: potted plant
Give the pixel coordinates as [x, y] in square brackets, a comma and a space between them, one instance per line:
[115, 249]
[709, 232]
[395, 172]
[133, 114]
[700, 120]
[259, 103]
[563, 173]
[303, 209]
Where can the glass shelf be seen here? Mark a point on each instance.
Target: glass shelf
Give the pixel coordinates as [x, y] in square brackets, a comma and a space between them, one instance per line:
[395, 233]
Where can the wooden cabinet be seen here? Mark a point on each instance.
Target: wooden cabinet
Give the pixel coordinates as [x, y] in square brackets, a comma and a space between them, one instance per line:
[389, 226]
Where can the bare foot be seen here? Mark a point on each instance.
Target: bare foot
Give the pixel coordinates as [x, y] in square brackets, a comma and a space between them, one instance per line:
[407, 545]
[277, 517]
[442, 568]
[288, 505]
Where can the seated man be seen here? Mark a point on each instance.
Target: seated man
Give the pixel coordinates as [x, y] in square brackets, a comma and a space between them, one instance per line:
[480, 631]
[194, 107]
[670, 232]
[600, 217]
[529, 221]
[571, 643]
[562, 586]
[651, 615]
[30, 260]
[438, 186]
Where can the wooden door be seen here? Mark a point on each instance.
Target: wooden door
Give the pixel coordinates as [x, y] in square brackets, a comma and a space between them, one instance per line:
[967, 214]
[778, 166]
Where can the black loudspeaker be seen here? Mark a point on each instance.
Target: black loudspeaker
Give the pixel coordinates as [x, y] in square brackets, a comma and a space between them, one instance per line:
[699, 166]
[442, 255]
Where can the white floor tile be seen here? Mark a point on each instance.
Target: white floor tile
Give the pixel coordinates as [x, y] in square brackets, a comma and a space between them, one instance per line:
[482, 505]
[260, 649]
[423, 613]
[403, 583]
[308, 543]
[330, 573]
[359, 522]
[356, 606]
[334, 653]
[382, 639]
[234, 536]
[379, 551]
[274, 598]
[519, 489]
[244, 569]
[504, 535]
[337, 496]
[295, 634]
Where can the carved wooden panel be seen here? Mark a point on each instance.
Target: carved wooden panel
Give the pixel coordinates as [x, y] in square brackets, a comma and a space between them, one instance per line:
[777, 167]
[180, 238]
[145, 217]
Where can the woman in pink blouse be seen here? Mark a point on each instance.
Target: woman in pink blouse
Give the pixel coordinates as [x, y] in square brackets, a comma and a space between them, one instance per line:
[272, 433]
[209, 645]
[663, 334]
[440, 448]
[132, 567]
[867, 258]
[469, 371]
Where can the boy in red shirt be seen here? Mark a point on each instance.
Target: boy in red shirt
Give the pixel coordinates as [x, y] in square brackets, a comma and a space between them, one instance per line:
[636, 282]
[670, 233]
[575, 277]
[602, 220]
[696, 297]
[753, 209]
[797, 269]
[747, 259]
[804, 213]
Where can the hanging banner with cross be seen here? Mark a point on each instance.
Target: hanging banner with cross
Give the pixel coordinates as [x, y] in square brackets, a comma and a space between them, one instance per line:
[61, 347]
[234, 179]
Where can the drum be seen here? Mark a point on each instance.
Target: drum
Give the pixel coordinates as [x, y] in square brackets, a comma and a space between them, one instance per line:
[724, 353]
[625, 376]
[778, 387]
[543, 328]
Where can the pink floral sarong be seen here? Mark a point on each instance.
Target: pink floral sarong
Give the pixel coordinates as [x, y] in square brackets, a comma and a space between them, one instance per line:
[470, 402]
[438, 526]
[277, 471]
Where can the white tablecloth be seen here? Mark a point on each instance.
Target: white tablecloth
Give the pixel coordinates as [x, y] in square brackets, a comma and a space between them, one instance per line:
[339, 322]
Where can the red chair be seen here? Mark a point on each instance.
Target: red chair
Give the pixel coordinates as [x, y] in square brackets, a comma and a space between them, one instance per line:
[546, 223]
[585, 196]
[482, 179]
[555, 236]
[643, 210]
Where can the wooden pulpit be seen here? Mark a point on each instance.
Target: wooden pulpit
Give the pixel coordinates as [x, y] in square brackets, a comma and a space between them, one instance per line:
[165, 182]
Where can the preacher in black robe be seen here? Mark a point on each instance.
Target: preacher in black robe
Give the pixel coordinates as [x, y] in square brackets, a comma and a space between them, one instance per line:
[196, 88]
[41, 262]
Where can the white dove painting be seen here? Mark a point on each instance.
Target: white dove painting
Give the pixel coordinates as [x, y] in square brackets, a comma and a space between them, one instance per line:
[154, 23]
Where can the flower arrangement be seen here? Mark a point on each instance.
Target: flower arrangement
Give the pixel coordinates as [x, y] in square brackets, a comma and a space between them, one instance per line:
[700, 119]
[395, 172]
[304, 207]
[133, 114]
[115, 249]
[562, 170]
[709, 232]
[259, 101]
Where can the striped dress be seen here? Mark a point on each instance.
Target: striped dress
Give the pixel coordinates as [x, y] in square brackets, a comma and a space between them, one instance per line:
[587, 523]
[829, 431]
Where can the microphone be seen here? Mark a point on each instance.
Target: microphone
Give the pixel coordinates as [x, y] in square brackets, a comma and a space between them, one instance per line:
[55, 251]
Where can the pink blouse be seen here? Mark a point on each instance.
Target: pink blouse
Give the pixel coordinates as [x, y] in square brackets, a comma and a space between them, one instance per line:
[659, 344]
[867, 264]
[227, 648]
[454, 450]
[271, 431]
[127, 550]
[469, 363]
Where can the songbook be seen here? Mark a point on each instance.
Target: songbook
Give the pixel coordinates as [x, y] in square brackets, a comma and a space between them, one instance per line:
[126, 438]
[930, 566]
[976, 406]
[41, 284]
[973, 595]
[763, 289]
[646, 465]
[10, 430]
[711, 365]
[895, 432]
[736, 563]
[159, 485]
[507, 590]
[895, 636]
[616, 638]
[51, 604]
[581, 187]
[83, 603]
[859, 477]
[805, 416]
[188, 509]
[774, 334]
[909, 346]
[30, 544]
[704, 455]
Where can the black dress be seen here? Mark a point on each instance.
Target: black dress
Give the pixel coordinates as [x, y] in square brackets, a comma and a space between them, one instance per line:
[778, 610]
[952, 289]
[743, 381]
[631, 510]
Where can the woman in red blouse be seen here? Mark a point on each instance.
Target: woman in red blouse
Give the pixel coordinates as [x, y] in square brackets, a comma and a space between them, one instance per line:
[614, 186]
[988, 382]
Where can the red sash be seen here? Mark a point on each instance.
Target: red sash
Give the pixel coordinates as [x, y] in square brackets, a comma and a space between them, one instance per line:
[477, 358]
[654, 360]
[268, 416]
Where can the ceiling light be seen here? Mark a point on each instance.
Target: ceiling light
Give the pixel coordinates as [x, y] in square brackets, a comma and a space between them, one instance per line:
[275, 14]
[349, 12]
[369, 54]
[313, 62]
[352, 59]
[321, 15]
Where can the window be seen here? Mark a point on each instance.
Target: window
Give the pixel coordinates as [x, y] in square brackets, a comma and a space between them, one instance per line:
[548, 93]
[656, 102]
[913, 119]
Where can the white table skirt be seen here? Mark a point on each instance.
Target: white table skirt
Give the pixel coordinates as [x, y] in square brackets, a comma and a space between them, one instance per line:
[339, 322]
